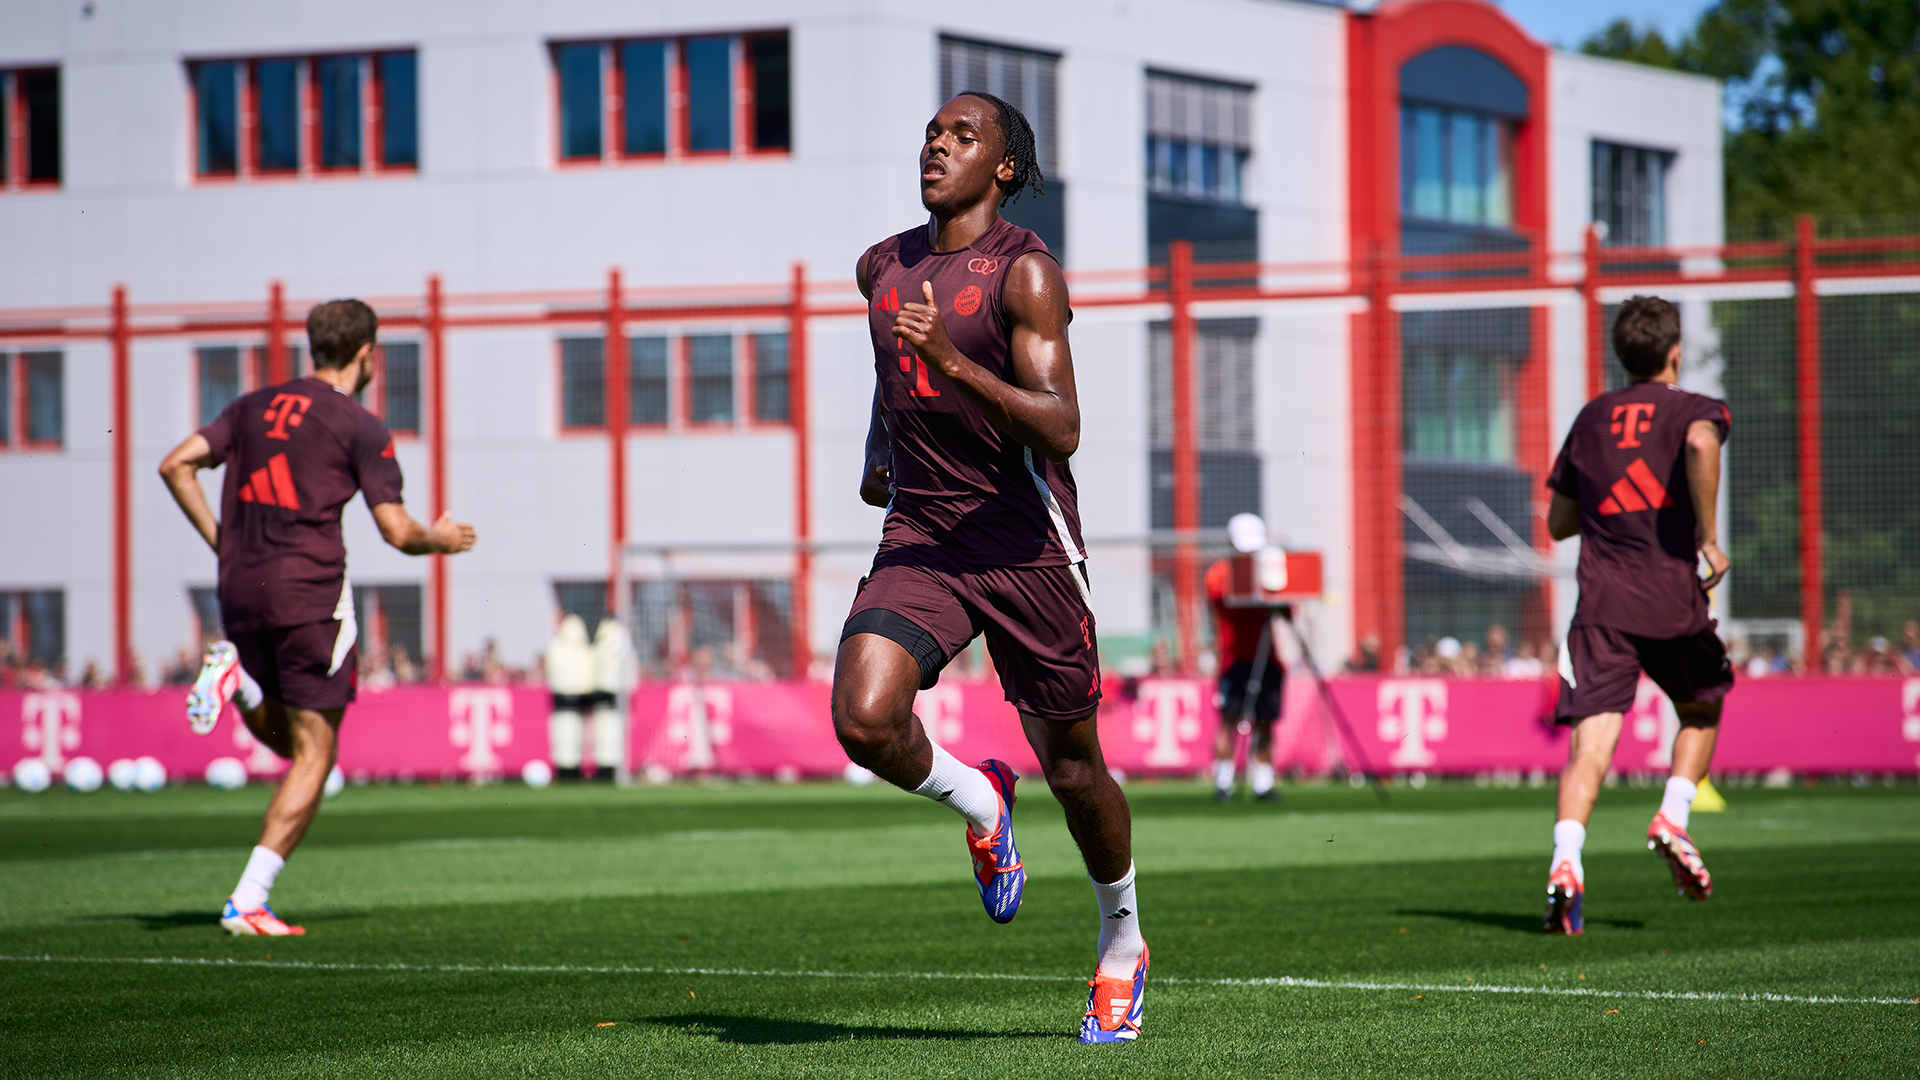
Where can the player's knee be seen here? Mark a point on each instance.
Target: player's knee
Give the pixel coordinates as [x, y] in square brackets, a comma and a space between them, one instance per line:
[866, 724]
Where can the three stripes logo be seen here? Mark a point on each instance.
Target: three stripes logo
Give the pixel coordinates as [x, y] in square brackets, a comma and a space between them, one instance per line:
[271, 486]
[888, 302]
[1638, 490]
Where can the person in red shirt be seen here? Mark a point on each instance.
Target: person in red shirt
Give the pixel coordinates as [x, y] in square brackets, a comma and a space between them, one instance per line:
[1242, 636]
[295, 455]
[1638, 480]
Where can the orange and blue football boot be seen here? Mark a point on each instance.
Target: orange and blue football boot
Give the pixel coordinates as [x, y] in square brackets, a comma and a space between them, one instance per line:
[1689, 870]
[1565, 895]
[260, 923]
[1115, 1006]
[996, 862]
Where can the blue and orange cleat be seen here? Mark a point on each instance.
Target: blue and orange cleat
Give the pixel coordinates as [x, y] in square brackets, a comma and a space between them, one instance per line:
[996, 862]
[260, 923]
[219, 680]
[1565, 895]
[1689, 869]
[1115, 1006]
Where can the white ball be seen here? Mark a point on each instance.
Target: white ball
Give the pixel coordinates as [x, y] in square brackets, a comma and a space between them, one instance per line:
[31, 775]
[336, 782]
[148, 774]
[537, 773]
[226, 774]
[858, 776]
[83, 774]
[120, 774]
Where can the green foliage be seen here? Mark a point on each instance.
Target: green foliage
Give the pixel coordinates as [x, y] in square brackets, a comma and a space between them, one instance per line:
[1827, 96]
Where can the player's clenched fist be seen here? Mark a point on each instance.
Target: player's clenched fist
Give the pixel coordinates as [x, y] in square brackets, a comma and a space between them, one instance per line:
[921, 327]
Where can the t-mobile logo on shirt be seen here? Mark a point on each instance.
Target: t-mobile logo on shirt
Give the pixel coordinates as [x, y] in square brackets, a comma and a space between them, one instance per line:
[1630, 421]
[287, 410]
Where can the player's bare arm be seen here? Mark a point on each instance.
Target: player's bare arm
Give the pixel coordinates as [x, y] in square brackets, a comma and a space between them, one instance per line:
[1563, 517]
[444, 537]
[1041, 407]
[180, 469]
[876, 471]
[1703, 480]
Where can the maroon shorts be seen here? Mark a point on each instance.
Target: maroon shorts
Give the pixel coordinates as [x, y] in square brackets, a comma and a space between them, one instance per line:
[309, 667]
[1605, 665]
[1039, 629]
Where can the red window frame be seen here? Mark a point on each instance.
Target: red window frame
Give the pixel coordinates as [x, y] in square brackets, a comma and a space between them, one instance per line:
[372, 120]
[22, 422]
[13, 128]
[613, 148]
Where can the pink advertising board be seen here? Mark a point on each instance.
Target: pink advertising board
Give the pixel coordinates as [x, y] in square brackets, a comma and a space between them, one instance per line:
[1402, 725]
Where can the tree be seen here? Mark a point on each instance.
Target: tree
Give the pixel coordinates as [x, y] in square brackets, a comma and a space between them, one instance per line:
[1827, 97]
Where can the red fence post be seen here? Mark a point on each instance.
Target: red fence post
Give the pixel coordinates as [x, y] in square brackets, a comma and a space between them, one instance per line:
[1595, 315]
[1186, 455]
[615, 404]
[802, 607]
[122, 491]
[1806, 305]
[278, 370]
[437, 470]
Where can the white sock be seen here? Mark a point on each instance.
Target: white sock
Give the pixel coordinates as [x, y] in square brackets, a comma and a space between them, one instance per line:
[1677, 803]
[1120, 941]
[1569, 836]
[262, 867]
[1223, 775]
[248, 695]
[963, 788]
[1260, 776]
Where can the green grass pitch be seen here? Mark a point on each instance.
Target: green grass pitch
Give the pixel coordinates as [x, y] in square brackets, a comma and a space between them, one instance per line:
[834, 931]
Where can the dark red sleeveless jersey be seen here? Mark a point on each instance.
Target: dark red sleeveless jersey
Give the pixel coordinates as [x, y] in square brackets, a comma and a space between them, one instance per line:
[1626, 461]
[295, 454]
[963, 491]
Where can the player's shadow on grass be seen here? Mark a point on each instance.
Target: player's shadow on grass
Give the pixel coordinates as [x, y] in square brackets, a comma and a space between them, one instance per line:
[177, 920]
[766, 1031]
[1526, 923]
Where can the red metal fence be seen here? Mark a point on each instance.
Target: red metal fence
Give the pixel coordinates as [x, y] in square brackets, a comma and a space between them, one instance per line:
[1450, 375]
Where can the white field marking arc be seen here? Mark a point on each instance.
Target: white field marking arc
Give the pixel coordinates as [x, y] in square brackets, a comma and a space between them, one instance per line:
[1271, 981]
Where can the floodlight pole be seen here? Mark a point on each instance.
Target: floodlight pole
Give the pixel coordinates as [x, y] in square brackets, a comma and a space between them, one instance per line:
[1595, 314]
[1186, 455]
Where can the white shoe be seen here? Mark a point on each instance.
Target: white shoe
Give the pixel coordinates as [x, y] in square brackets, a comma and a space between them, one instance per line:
[218, 681]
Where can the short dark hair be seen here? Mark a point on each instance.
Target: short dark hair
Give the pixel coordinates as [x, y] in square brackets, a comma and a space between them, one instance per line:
[337, 329]
[1644, 332]
[1020, 147]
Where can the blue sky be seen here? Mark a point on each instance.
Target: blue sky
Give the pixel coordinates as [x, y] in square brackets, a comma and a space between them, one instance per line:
[1567, 22]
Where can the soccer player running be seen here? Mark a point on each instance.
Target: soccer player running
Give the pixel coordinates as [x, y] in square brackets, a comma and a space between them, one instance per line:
[975, 415]
[1241, 636]
[295, 454]
[1638, 480]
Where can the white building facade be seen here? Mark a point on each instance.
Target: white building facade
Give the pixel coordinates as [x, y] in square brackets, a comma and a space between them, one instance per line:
[195, 152]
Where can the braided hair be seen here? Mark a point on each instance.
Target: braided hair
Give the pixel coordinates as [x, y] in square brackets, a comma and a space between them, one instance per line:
[1020, 147]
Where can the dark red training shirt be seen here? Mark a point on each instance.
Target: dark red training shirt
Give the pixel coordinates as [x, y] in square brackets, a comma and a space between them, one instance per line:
[1625, 460]
[961, 486]
[295, 454]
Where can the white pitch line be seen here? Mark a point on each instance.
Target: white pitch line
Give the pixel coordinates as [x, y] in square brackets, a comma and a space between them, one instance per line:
[1272, 981]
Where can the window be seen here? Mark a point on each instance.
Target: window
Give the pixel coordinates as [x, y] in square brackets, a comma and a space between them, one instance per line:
[672, 97]
[1224, 362]
[391, 637]
[6, 400]
[743, 626]
[34, 623]
[1199, 137]
[219, 380]
[45, 413]
[1460, 377]
[1630, 194]
[583, 384]
[1456, 166]
[399, 386]
[770, 377]
[29, 128]
[710, 378]
[292, 116]
[647, 370]
[1029, 81]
